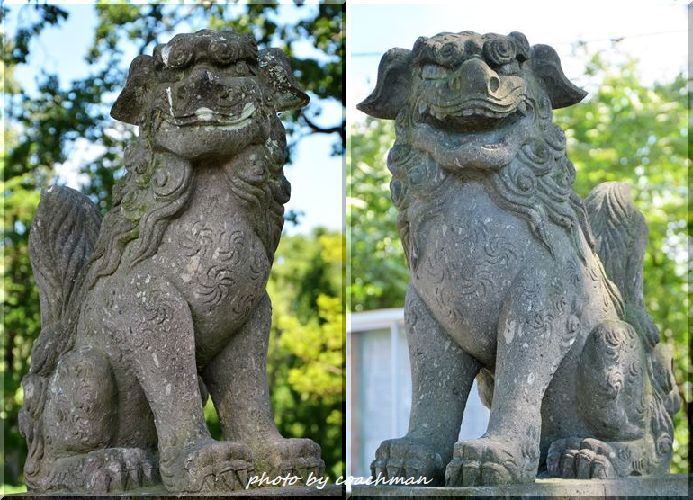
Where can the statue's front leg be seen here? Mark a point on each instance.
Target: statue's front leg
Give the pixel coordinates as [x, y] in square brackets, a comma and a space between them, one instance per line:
[237, 381]
[535, 331]
[442, 375]
[160, 345]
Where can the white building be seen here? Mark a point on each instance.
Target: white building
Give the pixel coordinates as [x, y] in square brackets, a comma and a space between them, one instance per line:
[379, 383]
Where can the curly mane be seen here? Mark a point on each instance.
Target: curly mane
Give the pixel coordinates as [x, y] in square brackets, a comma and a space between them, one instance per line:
[537, 184]
[156, 186]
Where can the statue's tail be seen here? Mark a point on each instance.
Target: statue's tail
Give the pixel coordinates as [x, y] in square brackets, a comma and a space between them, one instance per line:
[620, 235]
[61, 241]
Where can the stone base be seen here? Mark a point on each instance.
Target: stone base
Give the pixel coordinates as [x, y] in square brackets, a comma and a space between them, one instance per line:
[159, 492]
[672, 486]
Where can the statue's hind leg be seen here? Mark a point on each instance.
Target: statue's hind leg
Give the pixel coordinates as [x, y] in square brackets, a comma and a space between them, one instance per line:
[615, 400]
[535, 331]
[442, 375]
[79, 423]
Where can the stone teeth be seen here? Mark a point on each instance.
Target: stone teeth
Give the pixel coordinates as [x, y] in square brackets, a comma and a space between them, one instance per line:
[204, 114]
[170, 100]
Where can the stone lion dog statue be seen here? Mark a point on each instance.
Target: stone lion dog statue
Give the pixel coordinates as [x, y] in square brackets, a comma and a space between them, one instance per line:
[146, 313]
[515, 281]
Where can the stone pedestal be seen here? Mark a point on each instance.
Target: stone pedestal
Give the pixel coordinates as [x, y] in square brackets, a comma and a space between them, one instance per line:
[159, 492]
[671, 486]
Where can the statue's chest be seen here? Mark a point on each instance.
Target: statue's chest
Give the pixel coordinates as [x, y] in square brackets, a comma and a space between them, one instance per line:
[468, 251]
[217, 259]
[220, 263]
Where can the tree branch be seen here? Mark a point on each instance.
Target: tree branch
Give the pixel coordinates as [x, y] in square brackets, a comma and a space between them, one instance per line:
[315, 128]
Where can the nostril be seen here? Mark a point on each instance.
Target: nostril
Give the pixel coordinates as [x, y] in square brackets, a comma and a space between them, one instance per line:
[494, 83]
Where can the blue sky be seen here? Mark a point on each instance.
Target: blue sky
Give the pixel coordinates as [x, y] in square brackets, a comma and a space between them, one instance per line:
[315, 175]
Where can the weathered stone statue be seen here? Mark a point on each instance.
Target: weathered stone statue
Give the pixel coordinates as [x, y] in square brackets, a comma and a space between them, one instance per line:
[515, 281]
[163, 302]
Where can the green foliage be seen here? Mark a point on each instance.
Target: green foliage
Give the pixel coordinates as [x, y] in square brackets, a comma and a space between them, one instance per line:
[379, 272]
[626, 132]
[306, 355]
[42, 130]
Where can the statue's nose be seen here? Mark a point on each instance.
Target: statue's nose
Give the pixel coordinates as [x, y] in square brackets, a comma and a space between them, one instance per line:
[474, 76]
[202, 78]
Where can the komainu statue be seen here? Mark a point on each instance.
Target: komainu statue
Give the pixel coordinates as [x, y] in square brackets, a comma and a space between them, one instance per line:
[148, 312]
[515, 280]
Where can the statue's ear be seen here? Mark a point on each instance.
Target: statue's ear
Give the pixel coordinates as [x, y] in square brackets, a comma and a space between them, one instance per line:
[393, 85]
[130, 104]
[276, 72]
[546, 65]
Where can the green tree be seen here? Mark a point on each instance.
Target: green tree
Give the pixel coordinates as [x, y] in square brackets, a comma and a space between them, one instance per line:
[307, 350]
[42, 128]
[627, 132]
[378, 270]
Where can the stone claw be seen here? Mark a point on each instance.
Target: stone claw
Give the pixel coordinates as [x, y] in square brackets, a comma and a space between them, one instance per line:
[407, 458]
[581, 459]
[488, 462]
[293, 457]
[110, 470]
[208, 467]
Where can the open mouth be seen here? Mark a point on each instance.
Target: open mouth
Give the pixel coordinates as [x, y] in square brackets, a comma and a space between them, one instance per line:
[456, 100]
[207, 117]
[471, 114]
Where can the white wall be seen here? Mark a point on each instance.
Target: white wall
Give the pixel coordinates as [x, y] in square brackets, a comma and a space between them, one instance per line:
[379, 384]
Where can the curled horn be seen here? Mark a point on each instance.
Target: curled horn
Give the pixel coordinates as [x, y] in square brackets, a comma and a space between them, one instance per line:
[392, 87]
[547, 67]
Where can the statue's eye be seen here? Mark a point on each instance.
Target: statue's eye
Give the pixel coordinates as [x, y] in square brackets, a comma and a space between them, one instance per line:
[499, 51]
[178, 56]
[222, 52]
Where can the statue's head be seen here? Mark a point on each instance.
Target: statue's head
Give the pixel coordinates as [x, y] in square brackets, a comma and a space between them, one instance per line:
[468, 102]
[207, 94]
[470, 82]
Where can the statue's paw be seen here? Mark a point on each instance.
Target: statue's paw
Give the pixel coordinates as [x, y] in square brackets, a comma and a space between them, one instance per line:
[581, 459]
[295, 457]
[406, 458]
[110, 470]
[210, 466]
[489, 462]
